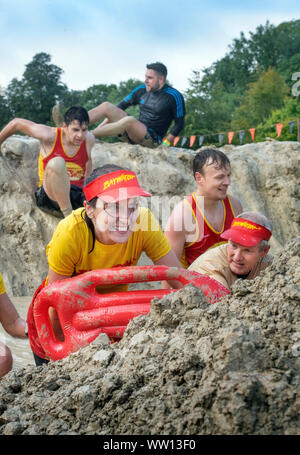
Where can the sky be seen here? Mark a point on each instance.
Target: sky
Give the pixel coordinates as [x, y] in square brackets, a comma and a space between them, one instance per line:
[109, 41]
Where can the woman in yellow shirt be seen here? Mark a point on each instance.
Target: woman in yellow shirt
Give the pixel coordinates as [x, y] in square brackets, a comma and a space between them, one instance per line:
[12, 324]
[111, 230]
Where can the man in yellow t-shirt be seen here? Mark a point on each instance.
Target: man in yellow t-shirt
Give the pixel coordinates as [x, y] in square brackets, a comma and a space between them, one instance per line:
[12, 324]
[112, 230]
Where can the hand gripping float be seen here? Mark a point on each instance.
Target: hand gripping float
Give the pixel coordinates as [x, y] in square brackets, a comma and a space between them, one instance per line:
[84, 313]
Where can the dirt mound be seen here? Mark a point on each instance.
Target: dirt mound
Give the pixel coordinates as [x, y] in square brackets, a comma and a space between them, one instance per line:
[188, 367]
[265, 176]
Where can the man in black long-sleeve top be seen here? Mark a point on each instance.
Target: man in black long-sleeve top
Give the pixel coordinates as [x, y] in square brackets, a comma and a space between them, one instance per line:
[159, 104]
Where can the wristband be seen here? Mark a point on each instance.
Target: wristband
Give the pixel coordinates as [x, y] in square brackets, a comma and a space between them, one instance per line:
[166, 142]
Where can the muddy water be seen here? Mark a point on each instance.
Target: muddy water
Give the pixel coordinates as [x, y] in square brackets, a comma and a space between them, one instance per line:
[20, 348]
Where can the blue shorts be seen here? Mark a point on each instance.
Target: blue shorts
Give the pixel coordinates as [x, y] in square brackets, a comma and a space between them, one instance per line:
[151, 140]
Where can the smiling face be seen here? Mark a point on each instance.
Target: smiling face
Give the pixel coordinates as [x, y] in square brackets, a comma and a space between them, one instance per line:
[76, 132]
[214, 181]
[242, 259]
[153, 81]
[114, 222]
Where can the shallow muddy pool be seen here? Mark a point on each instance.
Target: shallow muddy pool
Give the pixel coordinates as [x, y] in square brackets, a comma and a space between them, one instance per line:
[20, 348]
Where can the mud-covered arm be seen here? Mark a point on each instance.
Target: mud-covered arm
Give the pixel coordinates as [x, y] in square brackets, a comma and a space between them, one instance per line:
[10, 318]
[90, 144]
[170, 260]
[42, 132]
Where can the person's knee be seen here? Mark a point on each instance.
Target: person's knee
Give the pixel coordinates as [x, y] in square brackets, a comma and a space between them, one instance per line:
[108, 108]
[6, 360]
[134, 128]
[128, 121]
[106, 105]
[56, 166]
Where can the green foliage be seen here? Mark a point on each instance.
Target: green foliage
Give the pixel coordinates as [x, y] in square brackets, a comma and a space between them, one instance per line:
[39, 89]
[70, 98]
[244, 88]
[263, 46]
[15, 98]
[289, 112]
[205, 115]
[250, 87]
[97, 94]
[263, 96]
[42, 87]
[5, 113]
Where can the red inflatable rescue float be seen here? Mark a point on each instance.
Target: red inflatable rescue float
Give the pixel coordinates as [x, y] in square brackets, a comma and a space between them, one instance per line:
[84, 312]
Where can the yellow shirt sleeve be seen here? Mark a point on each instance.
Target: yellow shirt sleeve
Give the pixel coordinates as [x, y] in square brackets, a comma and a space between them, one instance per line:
[2, 287]
[63, 251]
[69, 249]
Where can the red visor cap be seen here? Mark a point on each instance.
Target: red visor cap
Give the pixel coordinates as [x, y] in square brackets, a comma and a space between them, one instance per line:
[246, 232]
[114, 187]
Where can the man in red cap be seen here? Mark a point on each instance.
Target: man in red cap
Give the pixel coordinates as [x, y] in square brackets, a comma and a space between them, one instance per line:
[244, 256]
[111, 230]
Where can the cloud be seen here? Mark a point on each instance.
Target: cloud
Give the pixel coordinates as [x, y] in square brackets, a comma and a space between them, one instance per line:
[109, 41]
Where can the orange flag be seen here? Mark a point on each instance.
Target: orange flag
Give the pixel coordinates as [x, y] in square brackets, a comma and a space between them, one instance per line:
[230, 136]
[279, 128]
[192, 140]
[252, 132]
[176, 140]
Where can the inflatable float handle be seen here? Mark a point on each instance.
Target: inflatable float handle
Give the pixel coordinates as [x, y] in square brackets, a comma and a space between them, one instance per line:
[84, 312]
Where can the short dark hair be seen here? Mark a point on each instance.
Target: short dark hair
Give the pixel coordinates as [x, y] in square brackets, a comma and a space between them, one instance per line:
[103, 170]
[76, 113]
[209, 154]
[160, 68]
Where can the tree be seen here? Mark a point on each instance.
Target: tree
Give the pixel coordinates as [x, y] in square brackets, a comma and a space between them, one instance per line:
[15, 98]
[207, 112]
[70, 98]
[126, 87]
[5, 113]
[287, 113]
[263, 96]
[196, 106]
[39, 89]
[42, 86]
[97, 94]
[263, 46]
[247, 83]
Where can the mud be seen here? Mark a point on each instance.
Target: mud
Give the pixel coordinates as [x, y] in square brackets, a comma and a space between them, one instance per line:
[188, 367]
[265, 176]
